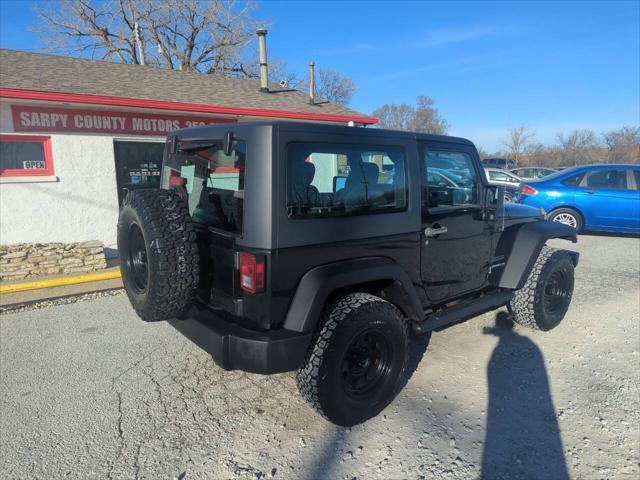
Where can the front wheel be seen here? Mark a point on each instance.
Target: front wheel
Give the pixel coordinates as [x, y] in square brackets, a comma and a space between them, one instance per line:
[544, 300]
[356, 363]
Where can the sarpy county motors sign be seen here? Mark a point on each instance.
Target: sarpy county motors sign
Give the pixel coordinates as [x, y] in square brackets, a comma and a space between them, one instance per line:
[47, 119]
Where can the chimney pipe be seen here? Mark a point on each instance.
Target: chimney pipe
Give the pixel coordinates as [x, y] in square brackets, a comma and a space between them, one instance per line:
[312, 83]
[262, 43]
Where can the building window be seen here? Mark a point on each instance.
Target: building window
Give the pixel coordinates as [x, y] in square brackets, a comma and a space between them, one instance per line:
[25, 156]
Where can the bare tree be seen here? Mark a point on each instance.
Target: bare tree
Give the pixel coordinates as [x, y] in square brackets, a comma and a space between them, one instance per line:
[518, 141]
[334, 87]
[421, 118]
[209, 37]
[539, 155]
[578, 147]
[623, 144]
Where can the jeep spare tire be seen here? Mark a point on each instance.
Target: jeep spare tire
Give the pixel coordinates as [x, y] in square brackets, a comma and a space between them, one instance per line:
[159, 258]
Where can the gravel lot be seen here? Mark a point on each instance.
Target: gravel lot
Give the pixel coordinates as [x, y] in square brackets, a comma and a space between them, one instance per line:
[88, 390]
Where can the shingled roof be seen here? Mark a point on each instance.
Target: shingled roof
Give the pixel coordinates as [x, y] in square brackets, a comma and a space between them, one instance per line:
[51, 73]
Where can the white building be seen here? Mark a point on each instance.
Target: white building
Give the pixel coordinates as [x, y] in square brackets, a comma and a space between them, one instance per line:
[76, 133]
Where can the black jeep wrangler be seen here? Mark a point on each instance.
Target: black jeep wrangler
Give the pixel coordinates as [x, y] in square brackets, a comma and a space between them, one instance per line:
[280, 246]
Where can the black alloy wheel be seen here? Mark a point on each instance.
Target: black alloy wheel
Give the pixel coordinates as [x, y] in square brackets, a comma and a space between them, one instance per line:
[137, 258]
[366, 362]
[557, 293]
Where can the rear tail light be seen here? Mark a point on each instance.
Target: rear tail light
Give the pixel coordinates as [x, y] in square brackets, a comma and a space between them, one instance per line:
[251, 273]
[527, 190]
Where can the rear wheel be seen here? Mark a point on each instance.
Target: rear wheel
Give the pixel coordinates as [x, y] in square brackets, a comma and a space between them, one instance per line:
[158, 254]
[356, 363]
[567, 216]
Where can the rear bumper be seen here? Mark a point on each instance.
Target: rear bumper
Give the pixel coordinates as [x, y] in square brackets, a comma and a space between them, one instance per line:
[236, 348]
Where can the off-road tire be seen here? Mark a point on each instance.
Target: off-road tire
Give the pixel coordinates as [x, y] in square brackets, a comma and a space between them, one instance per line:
[321, 378]
[569, 213]
[172, 260]
[528, 305]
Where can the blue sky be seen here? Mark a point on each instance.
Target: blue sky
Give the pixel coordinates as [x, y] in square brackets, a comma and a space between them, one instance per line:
[554, 66]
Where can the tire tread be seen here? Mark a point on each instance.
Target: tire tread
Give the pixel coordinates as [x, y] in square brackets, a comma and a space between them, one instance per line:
[172, 253]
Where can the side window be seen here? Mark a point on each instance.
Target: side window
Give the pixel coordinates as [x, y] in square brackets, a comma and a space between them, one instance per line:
[327, 180]
[606, 179]
[512, 179]
[450, 179]
[573, 180]
[502, 177]
[636, 176]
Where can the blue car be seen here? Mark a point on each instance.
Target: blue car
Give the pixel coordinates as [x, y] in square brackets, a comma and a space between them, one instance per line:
[590, 197]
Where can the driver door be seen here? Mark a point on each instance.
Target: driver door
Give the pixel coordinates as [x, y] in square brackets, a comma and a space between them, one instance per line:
[456, 232]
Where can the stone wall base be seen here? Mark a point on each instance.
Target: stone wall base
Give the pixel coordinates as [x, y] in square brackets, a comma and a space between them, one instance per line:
[28, 260]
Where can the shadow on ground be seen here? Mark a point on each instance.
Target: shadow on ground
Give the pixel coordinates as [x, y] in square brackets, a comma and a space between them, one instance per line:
[522, 433]
[522, 436]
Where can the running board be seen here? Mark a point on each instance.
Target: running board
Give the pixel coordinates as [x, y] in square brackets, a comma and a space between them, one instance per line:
[463, 311]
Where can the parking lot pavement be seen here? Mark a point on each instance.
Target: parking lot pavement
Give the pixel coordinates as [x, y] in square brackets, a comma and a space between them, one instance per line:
[88, 390]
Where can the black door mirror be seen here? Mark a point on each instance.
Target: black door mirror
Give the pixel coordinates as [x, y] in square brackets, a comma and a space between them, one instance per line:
[227, 143]
[494, 198]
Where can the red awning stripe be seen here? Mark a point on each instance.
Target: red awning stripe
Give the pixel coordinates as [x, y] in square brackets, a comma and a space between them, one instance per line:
[177, 106]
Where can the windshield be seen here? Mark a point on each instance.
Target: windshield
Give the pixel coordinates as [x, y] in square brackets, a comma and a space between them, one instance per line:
[211, 182]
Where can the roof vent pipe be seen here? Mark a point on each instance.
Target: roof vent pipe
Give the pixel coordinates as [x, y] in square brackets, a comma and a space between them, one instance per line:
[312, 83]
[262, 43]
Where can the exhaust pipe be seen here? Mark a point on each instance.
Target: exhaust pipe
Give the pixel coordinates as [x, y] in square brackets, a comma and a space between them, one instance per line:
[312, 83]
[264, 73]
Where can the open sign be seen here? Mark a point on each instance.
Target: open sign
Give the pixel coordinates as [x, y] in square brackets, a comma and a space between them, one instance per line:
[33, 165]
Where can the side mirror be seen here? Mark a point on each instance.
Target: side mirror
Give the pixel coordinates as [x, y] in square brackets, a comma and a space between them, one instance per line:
[227, 143]
[494, 199]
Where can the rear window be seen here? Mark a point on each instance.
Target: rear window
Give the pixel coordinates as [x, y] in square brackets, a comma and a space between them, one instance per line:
[573, 180]
[327, 180]
[211, 182]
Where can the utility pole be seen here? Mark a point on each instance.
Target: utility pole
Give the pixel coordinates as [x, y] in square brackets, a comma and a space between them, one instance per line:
[138, 43]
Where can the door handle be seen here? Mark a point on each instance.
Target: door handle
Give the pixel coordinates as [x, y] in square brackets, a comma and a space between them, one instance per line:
[590, 192]
[434, 232]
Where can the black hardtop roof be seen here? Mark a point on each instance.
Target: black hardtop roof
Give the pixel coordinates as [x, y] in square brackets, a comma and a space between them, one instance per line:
[217, 130]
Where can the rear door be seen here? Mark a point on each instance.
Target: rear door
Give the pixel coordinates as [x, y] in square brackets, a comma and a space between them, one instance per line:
[212, 184]
[456, 238]
[606, 198]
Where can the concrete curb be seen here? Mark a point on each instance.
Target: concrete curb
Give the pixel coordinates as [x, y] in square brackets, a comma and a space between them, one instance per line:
[59, 281]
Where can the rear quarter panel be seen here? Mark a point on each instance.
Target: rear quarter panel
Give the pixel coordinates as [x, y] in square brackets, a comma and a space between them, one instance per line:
[550, 196]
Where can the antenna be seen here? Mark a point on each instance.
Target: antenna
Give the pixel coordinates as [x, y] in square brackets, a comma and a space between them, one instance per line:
[136, 32]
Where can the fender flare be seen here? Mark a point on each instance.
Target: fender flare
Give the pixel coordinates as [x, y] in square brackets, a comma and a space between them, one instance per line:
[528, 241]
[317, 284]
